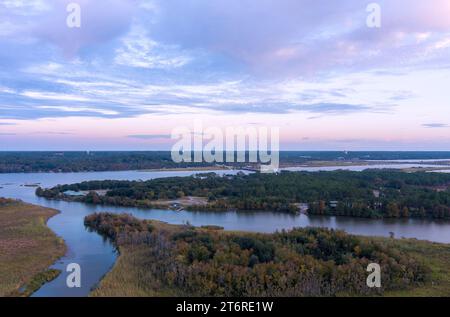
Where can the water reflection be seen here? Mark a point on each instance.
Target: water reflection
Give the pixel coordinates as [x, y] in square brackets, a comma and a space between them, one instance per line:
[96, 256]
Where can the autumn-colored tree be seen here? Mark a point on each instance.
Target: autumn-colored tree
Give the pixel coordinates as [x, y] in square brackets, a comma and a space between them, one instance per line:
[392, 210]
[405, 212]
[301, 262]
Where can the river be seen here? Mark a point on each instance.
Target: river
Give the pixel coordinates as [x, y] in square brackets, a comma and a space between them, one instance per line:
[97, 256]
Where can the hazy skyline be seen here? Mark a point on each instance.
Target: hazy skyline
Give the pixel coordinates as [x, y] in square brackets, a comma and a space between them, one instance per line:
[137, 69]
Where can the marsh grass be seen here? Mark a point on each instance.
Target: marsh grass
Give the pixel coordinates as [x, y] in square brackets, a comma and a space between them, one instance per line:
[437, 257]
[27, 248]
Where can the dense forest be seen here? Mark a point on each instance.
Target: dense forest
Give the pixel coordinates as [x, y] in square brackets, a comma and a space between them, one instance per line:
[19, 162]
[189, 261]
[369, 194]
[25, 162]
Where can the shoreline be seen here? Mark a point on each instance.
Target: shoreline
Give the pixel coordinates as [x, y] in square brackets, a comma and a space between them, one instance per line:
[439, 165]
[236, 231]
[174, 169]
[188, 169]
[425, 251]
[31, 247]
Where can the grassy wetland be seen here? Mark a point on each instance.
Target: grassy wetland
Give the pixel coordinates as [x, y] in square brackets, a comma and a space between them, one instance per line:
[27, 248]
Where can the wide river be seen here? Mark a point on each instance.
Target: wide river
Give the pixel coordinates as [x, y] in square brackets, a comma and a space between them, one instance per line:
[97, 256]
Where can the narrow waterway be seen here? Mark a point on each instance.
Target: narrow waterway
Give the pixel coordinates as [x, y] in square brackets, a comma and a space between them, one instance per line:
[96, 256]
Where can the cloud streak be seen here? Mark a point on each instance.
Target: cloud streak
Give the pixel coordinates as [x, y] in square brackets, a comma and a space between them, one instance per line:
[149, 136]
[435, 125]
[263, 60]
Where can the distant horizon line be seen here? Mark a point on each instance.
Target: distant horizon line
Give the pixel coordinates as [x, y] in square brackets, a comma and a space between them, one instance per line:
[311, 151]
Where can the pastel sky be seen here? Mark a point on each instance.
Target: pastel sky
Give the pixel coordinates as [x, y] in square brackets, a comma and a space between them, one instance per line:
[137, 69]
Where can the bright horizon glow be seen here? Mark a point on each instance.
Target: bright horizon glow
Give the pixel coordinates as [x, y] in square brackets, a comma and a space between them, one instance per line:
[136, 69]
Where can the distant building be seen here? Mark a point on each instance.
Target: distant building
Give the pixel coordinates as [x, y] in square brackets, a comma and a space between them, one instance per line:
[176, 206]
[303, 207]
[74, 193]
[333, 203]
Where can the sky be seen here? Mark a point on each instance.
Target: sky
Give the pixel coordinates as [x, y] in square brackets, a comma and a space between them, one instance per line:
[135, 70]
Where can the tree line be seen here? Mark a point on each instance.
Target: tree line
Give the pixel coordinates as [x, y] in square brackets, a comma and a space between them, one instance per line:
[369, 194]
[300, 262]
[23, 162]
[69, 162]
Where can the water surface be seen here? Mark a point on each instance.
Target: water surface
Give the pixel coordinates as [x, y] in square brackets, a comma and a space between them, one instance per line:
[96, 256]
[360, 168]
